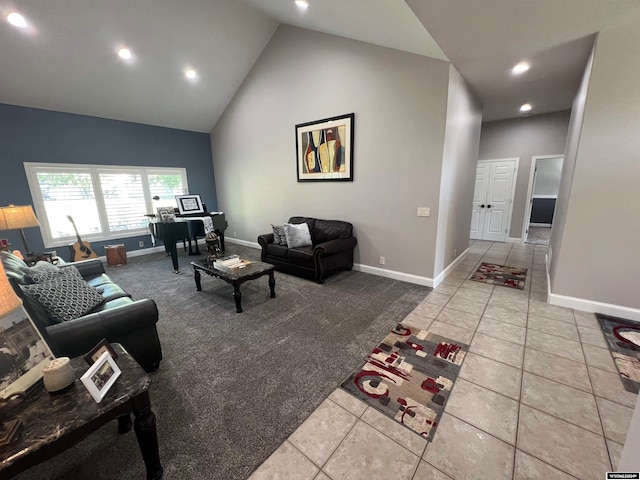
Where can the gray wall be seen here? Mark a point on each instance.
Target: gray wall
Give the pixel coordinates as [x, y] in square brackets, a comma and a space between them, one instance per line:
[548, 176]
[462, 137]
[598, 256]
[399, 100]
[525, 138]
[34, 135]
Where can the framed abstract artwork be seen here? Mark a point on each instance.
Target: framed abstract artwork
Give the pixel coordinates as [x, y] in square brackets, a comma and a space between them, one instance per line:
[324, 149]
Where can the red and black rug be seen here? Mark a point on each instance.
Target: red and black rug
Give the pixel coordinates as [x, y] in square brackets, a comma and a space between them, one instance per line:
[409, 377]
[623, 339]
[513, 277]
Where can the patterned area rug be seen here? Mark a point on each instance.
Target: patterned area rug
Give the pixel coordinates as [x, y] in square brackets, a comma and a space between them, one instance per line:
[623, 338]
[409, 377]
[513, 277]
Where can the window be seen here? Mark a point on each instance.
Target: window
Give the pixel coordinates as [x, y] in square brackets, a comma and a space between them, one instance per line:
[104, 202]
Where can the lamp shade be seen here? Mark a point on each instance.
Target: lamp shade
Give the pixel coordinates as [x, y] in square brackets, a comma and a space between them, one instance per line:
[9, 301]
[17, 216]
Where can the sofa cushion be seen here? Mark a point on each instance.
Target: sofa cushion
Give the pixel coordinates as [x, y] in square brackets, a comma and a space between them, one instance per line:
[302, 255]
[326, 230]
[116, 302]
[297, 235]
[277, 250]
[65, 298]
[278, 234]
[102, 279]
[111, 291]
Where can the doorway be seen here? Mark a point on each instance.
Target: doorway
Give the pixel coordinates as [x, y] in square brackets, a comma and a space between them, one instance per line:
[544, 184]
[493, 199]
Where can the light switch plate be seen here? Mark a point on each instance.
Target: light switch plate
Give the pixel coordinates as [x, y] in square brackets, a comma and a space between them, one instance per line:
[424, 211]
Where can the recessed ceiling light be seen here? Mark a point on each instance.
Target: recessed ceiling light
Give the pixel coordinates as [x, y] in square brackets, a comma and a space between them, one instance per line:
[190, 74]
[520, 68]
[125, 53]
[302, 4]
[17, 20]
[525, 108]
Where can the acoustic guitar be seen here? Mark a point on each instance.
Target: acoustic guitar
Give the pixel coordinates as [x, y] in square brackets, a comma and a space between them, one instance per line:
[80, 250]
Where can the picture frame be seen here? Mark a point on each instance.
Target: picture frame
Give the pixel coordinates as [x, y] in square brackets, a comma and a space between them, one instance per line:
[23, 354]
[101, 376]
[166, 214]
[95, 353]
[324, 149]
[189, 204]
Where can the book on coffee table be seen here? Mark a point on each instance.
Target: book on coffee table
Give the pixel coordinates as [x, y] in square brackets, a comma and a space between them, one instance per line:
[232, 267]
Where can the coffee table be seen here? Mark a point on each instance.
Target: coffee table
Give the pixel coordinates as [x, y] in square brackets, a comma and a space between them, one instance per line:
[54, 423]
[236, 278]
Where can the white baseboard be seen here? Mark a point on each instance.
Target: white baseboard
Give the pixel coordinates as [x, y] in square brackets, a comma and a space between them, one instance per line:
[514, 240]
[595, 307]
[246, 243]
[585, 305]
[443, 274]
[405, 277]
[546, 225]
[144, 251]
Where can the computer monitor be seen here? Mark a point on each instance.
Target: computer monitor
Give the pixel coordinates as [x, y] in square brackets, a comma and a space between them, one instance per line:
[189, 204]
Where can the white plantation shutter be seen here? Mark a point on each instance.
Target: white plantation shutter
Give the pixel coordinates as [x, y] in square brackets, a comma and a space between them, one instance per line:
[105, 202]
[124, 200]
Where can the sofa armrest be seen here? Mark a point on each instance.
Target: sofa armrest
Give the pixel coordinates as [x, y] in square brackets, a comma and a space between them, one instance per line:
[88, 268]
[77, 337]
[334, 246]
[265, 239]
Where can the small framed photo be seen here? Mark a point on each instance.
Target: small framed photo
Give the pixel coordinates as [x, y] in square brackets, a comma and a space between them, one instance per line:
[98, 350]
[166, 214]
[101, 376]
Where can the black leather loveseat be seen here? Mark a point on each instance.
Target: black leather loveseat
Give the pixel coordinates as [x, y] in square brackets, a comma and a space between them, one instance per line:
[331, 250]
[118, 318]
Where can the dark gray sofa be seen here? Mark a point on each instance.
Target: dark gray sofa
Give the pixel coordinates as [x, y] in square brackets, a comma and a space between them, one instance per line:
[132, 323]
[331, 250]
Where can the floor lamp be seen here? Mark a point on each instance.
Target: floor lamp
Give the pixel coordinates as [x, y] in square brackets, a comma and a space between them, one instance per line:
[18, 217]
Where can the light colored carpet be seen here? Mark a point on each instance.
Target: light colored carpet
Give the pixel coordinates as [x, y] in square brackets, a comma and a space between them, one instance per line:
[539, 236]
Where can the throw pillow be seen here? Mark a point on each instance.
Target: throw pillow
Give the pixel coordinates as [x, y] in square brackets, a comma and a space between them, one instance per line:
[38, 274]
[297, 235]
[278, 235]
[65, 297]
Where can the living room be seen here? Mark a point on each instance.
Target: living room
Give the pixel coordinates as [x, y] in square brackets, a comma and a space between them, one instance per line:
[408, 153]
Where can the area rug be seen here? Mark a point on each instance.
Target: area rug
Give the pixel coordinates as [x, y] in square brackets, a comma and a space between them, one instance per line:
[513, 277]
[409, 377]
[623, 338]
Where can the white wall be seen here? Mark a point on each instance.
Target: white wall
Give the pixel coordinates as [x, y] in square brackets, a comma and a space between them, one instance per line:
[399, 100]
[549, 171]
[524, 138]
[462, 137]
[597, 258]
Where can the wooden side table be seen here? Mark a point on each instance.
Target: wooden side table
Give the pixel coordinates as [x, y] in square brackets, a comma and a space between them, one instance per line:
[54, 423]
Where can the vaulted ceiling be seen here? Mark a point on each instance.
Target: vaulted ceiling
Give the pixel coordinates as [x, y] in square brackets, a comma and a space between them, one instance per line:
[66, 58]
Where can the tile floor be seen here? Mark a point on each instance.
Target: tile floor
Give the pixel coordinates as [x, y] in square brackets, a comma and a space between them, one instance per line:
[538, 396]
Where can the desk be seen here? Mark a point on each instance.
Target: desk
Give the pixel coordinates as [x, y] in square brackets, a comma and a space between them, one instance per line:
[54, 423]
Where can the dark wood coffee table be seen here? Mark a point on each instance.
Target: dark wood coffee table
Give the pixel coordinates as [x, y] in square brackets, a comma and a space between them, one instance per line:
[53, 423]
[236, 278]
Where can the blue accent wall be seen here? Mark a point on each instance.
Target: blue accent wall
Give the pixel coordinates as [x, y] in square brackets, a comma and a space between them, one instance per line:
[34, 135]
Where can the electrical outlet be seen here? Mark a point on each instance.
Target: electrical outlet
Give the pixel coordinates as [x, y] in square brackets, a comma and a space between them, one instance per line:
[141, 243]
[455, 253]
[235, 234]
[423, 211]
[381, 260]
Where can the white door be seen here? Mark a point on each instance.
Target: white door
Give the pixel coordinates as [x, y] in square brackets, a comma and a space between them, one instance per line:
[479, 195]
[492, 199]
